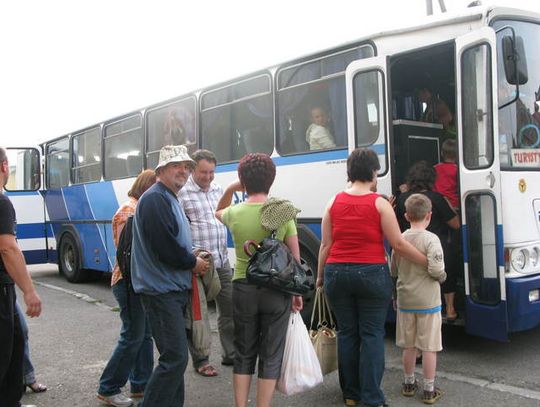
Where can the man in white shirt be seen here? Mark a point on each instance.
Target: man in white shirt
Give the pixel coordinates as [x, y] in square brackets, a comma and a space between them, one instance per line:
[199, 198]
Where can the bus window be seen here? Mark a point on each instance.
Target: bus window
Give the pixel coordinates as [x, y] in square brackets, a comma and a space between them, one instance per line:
[57, 159]
[519, 120]
[238, 119]
[367, 113]
[173, 124]
[477, 107]
[23, 169]
[481, 228]
[86, 156]
[311, 102]
[123, 148]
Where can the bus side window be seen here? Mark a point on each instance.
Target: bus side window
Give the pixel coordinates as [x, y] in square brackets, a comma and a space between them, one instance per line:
[311, 104]
[238, 119]
[123, 141]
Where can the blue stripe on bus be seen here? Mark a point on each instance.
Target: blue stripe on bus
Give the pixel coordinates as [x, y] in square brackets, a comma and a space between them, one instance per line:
[30, 230]
[56, 207]
[307, 158]
[21, 193]
[102, 199]
[77, 203]
[500, 246]
[35, 256]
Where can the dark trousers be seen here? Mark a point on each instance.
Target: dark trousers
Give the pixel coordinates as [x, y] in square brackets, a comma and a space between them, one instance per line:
[165, 313]
[11, 349]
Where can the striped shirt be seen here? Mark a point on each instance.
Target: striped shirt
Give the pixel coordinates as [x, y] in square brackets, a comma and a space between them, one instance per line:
[118, 221]
[206, 231]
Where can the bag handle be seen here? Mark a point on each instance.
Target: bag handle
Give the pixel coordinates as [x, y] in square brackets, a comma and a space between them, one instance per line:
[315, 309]
[323, 310]
[248, 244]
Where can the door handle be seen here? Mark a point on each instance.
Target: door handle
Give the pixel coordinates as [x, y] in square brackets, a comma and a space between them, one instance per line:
[490, 179]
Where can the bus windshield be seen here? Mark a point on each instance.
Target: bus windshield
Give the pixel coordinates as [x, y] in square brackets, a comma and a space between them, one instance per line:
[519, 122]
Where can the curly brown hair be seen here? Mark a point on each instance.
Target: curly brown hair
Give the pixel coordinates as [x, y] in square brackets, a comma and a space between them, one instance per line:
[421, 177]
[257, 172]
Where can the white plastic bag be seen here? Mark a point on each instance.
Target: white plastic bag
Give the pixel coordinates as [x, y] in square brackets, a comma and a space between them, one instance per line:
[300, 370]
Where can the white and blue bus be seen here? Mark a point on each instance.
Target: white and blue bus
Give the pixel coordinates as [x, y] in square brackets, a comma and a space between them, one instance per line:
[482, 62]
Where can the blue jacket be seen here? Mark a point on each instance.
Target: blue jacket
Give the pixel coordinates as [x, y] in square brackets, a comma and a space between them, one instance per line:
[161, 257]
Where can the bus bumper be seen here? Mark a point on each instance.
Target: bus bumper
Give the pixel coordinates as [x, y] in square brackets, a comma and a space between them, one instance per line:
[522, 314]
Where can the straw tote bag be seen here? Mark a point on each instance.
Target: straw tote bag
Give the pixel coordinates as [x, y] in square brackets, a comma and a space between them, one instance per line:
[324, 337]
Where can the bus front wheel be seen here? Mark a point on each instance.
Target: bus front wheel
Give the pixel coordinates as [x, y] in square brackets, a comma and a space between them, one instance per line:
[69, 260]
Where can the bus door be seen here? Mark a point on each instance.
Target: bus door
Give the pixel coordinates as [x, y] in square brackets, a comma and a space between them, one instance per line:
[367, 122]
[476, 92]
[23, 189]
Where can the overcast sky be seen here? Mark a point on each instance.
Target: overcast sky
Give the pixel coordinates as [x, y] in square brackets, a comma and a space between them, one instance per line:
[69, 64]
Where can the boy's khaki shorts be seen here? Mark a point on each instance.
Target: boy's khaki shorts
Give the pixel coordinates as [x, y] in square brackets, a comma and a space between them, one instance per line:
[421, 331]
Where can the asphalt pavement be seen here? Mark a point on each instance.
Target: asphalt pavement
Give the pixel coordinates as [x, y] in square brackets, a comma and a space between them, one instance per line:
[73, 339]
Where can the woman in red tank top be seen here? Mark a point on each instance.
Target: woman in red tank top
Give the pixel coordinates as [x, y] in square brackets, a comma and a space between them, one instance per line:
[354, 271]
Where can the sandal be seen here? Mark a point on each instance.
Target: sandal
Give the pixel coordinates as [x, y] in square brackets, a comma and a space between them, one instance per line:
[37, 387]
[207, 371]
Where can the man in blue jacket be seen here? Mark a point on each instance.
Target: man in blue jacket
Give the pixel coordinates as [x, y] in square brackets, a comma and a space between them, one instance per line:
[161, 267]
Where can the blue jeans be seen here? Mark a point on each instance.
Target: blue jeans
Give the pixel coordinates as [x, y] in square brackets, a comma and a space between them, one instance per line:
[133, 357]
[28, 368]
[359, 295]
[166, 315]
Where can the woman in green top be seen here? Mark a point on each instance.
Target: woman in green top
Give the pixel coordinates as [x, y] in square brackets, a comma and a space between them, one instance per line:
[260, 314]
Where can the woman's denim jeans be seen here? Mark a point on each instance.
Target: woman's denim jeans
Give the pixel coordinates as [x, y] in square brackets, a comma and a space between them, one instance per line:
[133, 357]
[359, 295]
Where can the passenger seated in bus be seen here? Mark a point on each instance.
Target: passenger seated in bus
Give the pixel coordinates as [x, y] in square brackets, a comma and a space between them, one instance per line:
[444, 116]
[173, 131]
[420, 179]
[446, 172]
[318, 135]
[425, 98]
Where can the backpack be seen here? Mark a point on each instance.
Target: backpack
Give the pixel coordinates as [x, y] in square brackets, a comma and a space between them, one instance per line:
[272, 265]
[123, 252]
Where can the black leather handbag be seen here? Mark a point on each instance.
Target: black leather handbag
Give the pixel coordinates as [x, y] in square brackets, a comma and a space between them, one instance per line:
[272, 265]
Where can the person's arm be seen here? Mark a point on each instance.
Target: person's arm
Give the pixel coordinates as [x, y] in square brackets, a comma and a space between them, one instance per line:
[326, 243]
[16, 267]
[448, 213]
[294, 247]
[435, 257]
[226, 198]
[160, 227]
[392, 233]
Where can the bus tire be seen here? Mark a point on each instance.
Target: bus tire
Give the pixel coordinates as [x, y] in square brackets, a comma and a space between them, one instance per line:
[309, 253]
[69, 260]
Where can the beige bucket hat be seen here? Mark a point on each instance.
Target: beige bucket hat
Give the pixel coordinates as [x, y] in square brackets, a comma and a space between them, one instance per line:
[174, 154]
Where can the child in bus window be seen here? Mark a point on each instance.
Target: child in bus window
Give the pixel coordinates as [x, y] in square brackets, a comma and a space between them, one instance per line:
[446, 180]
[318, 135]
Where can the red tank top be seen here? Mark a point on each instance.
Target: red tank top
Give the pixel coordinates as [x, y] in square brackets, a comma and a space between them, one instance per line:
[356, 230]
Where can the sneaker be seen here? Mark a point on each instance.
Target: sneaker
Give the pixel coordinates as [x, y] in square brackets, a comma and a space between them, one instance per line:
[350, 402]
[431, 397]
[117, 400]
[409, 389]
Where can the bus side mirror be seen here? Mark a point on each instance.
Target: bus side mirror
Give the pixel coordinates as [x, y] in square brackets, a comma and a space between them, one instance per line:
[515, 62]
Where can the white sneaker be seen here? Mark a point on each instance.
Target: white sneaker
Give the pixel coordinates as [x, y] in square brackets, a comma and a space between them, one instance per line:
[118, 400]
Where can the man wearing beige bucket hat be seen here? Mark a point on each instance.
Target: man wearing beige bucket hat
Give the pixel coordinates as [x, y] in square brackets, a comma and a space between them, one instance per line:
[161, 267]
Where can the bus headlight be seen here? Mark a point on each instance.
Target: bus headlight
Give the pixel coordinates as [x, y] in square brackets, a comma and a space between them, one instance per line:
[519, 259]
[534, 256]
[534, 295]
